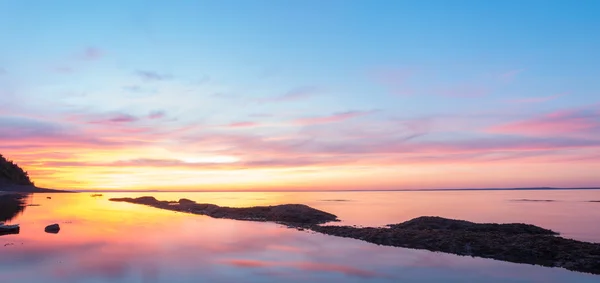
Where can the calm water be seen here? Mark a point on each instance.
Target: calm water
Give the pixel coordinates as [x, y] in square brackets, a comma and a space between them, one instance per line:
[102, 241]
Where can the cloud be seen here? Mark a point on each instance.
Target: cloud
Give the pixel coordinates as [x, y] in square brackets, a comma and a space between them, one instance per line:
[64, 70]
[157, 114]
[243, 124]
[27, 133]
[538, 99]
[92, 53]
[152, 76]
[116, 118]
[261, 115]
[296, 94]
[337, 117]
[559, 123]
[510, 75]
[463, 91]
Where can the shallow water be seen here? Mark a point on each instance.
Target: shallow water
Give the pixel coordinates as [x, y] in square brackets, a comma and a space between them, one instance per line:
[102, 241]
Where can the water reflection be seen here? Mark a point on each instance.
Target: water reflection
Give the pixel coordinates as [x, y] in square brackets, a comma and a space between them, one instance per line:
[11, 206]
[102, 241]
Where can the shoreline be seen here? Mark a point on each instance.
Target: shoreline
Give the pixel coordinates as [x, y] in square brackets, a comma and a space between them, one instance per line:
[515, 242]
[24, 189]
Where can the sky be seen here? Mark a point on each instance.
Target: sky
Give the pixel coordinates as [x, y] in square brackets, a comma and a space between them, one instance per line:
[301, 95]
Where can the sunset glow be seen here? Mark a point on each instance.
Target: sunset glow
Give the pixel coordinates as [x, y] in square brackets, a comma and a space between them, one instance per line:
[118, 95]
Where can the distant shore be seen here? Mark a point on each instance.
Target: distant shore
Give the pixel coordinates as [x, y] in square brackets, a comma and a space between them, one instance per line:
[316, 191]
[28, 189]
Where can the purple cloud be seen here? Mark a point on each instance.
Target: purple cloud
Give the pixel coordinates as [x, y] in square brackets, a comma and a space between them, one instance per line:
[117, 118]
[156, 115]
[92, 53]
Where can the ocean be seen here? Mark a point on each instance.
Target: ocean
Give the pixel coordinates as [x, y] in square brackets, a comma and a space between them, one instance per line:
[103, 241]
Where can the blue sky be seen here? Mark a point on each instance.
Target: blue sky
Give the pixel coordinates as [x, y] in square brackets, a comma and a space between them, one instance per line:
[328, 83]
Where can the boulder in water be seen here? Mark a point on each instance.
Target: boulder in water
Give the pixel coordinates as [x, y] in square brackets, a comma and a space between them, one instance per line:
[53, 229]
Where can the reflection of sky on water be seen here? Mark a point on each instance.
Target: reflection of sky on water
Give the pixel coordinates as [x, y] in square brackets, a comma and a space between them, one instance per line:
[102, 241]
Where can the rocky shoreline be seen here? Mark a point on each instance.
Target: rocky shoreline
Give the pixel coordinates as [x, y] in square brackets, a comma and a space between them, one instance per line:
[519, 243]
[290, 214]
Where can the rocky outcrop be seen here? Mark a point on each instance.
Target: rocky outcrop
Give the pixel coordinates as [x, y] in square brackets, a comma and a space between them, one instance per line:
[519, 243]
[292, 214]
[516, 242]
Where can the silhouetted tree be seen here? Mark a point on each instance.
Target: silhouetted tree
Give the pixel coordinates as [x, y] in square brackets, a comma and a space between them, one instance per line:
[11, 173]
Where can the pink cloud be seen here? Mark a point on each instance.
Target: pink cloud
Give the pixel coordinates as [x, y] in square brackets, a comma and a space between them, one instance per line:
[116, 118]
[538, 99]
[156, 115]
[565, 122]
[337, 117]
[244, 124]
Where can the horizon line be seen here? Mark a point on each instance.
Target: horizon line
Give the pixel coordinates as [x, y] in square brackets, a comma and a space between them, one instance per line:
[347, 190]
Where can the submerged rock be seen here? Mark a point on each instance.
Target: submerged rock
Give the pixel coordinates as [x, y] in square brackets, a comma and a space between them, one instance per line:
[515, 242]
[53, 229]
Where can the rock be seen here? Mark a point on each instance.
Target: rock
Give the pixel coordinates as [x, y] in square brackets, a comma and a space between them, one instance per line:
[296, 214]
[53, 229]
[185, 201]
[515, 242]
[9, 229]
